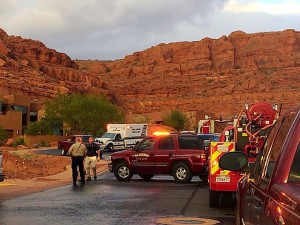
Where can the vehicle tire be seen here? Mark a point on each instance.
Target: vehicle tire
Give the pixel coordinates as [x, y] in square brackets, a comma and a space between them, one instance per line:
[110, 147]
[226, 200]
[182, 173]
[146, 176]
[62, 151]
[214, 199]
[122, 172]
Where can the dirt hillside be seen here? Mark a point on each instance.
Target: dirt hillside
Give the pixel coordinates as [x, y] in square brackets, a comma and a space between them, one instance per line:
[23, 164]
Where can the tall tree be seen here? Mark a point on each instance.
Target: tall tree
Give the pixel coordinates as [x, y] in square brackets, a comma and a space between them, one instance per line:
[83, 113]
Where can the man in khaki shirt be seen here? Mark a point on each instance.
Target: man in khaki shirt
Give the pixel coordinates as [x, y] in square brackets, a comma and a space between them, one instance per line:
[77, 152]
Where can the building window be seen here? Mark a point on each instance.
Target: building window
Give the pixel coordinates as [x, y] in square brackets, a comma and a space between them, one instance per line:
[24, 111]
[33, 116]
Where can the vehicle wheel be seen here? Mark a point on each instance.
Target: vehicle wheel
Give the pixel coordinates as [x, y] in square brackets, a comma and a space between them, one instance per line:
[110, 147]
[214, 198]
[182, 173]
[146, 176]
[62, 151]
[203, 178]
[122, 172]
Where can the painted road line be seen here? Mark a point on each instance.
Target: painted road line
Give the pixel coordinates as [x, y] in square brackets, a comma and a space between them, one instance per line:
[186, 221]
[3, 184]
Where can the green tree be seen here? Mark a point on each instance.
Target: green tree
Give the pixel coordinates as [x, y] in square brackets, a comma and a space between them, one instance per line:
[3, 136]
[42, 127]
[175, 119]
[83, 113]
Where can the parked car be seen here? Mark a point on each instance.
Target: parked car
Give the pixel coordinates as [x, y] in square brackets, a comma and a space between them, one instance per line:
[177, 154]
[65, 145]
[1, 174]
[270, 193]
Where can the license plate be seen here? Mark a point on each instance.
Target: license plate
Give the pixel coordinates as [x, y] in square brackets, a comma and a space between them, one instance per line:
[223, 179]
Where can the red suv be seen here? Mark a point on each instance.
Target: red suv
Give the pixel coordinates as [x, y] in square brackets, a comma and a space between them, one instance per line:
[180, 155]
[270, 193]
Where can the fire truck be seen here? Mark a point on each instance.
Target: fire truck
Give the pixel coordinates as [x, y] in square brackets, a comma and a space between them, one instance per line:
[247, 134]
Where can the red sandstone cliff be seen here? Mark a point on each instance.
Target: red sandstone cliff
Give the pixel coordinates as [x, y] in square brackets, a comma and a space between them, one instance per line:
[28, 67]
[212, 75]
[216, 76]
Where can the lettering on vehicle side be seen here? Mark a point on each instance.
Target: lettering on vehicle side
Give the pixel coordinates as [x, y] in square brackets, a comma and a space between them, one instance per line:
[141, 155]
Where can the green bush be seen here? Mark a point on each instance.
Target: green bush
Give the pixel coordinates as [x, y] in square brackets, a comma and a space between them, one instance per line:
[19, 141]
[42, 127]
[176, 119]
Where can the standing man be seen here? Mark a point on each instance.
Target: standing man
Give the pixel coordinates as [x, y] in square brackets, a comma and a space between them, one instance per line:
[77, 152]
[92, 155]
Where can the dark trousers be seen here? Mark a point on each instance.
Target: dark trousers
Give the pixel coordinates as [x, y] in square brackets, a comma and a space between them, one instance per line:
[77, 161]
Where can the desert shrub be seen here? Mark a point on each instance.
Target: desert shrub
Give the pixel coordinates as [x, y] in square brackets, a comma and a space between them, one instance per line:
[176, 119]
[42, 127]
[19, 141]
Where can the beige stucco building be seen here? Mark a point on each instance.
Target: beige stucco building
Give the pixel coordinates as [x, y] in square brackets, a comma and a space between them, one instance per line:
[16, 112]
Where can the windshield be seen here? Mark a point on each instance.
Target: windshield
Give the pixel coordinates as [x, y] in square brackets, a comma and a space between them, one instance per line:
[108, 135]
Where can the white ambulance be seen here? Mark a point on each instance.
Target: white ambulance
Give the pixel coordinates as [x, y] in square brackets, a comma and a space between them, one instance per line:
[121, 136]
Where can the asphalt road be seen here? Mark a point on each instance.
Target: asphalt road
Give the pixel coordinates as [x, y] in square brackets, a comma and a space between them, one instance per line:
[108, 201]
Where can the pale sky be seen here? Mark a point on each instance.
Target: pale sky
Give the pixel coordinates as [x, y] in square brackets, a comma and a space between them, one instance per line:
[112, 29]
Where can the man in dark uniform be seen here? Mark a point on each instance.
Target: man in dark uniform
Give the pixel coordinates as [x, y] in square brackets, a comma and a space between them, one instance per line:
[77, 152]
[92, 155]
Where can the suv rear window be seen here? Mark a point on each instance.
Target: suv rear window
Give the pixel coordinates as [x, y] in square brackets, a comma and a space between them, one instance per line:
[189, 142]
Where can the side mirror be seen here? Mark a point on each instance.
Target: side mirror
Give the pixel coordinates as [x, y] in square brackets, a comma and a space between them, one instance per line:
[206, 144]
[234, 161]
[136, 146]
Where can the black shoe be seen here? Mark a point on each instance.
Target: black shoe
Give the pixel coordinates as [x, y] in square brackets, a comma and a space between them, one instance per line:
[95, 177]
[88, 179]
[82, 181]
[74, 184]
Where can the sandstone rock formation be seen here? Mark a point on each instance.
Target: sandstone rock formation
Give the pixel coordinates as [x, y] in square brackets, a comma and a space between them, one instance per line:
[28, 67]
[211, 75]
[217, 76]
